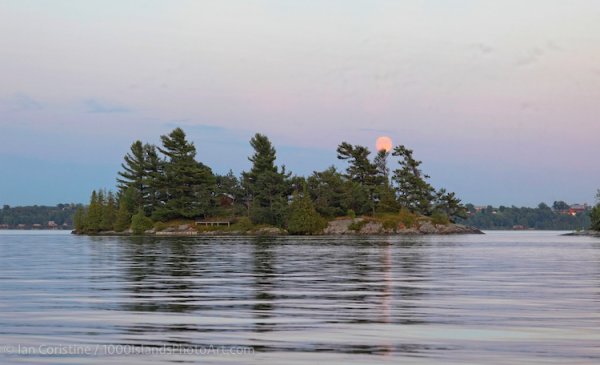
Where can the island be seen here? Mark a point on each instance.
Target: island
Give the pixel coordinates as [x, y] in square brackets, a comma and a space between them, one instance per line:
[165, 190]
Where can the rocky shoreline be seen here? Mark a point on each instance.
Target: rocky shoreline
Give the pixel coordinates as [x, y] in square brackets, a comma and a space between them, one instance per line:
[584, 233]
[338, 227]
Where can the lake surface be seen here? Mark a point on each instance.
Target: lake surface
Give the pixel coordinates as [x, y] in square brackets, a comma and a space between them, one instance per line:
[501, 298]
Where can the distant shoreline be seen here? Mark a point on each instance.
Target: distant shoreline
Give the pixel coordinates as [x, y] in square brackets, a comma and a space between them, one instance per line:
[587, 233]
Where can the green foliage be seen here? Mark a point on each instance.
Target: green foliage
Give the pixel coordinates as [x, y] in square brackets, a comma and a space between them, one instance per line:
[109, 213]
[123, 217]
[507, 217]
[167, 183]
[357, 225]
[439, 217]
[266, 187]
[93, 219]
[366, 175]
[243, 224]
[79, 220]
[140, 223]
[407, 218]
[186, 185]
[414, 192]
[61, 214]
[450, 205]
[303, 217]
[595, 218]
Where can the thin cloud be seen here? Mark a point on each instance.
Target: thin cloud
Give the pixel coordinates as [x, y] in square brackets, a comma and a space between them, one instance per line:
[20, 103]
[97, 106]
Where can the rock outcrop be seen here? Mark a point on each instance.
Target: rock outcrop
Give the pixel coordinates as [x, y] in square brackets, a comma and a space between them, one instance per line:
[373, 227]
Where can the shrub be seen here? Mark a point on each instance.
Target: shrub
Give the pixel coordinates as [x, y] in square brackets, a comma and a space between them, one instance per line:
[140, 223]
[391, 222]
[303, 217]
[243, 224]
[595, 218]
[357, 225]
[438, 217]
[351, 213]
[407, 218]
[160, 226]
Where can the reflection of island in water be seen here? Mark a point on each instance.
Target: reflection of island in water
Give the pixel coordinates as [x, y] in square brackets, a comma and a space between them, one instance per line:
[269, 287]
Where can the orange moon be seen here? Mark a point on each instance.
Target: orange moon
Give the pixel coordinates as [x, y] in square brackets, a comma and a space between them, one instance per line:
[383, 143]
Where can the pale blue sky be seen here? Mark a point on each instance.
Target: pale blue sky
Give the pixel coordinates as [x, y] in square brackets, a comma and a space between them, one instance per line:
[500, 99]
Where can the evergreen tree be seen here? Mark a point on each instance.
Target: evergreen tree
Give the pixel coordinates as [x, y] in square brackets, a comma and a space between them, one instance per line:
[361, 170]
[151, 181]
[109, 213]
[266, 187]
[123, 218]
[140, 223]
[327, 190]
[94, 214]
[451, 206]
[79, 220]
[595, 214]
[134, 172]
[303, 217]
[385, 195]
[187, 185]
[413, 191]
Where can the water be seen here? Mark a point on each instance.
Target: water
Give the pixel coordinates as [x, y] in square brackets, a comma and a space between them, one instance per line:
[502, 298]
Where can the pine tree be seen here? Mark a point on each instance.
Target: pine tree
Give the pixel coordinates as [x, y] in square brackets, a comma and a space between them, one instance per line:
[413, 191]
[266, 187]
[134, 171]
[153, 170]
[109, 212]
[187, 185]
[140, 223]
[361, 171]
[303, 217]
[94, 214]
[79, 220]
[123, 218]
[384, 192]
[450, 205]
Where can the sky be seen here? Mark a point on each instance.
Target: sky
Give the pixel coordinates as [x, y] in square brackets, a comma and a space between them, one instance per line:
[500, 99]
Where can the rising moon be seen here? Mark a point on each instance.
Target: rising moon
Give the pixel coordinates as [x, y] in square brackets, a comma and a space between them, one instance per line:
[383, 143]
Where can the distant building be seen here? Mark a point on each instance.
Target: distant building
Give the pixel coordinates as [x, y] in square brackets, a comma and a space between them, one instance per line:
[226, 200]
[36, 226]
[21, 226]
[52, 225]
[4, 226]
[574, 209]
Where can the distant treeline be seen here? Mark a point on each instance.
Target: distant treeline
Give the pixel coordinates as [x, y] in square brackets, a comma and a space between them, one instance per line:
[12, 217]
[542, 217]
[165, 183]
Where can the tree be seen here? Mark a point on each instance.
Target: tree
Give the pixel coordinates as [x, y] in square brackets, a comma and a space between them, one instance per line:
[140, 223]
[123, 218]
[560, 206]
[360, 169]
[303, 218]
[79, 220]
[134, 172]
[266, 187]
[328, 190]
[109, 213]
[413, 191]
[186, 186]
[450, 205]
[93, 219]
[152, 177]
[595, 214]
[385, 195]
